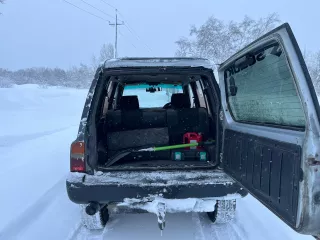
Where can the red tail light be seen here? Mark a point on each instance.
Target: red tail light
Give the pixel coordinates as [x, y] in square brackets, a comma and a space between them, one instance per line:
[77, 163]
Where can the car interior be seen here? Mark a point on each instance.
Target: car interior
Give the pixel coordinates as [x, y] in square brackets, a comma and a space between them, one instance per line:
[187, 117]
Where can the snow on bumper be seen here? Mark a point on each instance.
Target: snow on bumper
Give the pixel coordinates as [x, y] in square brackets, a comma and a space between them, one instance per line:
[117, 186]
[150, 204]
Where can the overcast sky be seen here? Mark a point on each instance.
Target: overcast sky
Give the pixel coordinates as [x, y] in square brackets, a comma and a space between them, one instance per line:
[53, 33]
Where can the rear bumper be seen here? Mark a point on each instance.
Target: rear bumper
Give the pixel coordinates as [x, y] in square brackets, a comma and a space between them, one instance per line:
[115, 187]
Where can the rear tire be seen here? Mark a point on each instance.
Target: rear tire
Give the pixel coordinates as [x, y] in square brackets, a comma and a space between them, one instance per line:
[96, 221]
[224, 212]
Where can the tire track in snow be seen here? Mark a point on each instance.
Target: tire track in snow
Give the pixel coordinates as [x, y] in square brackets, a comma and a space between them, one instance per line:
[82, 233]
[199, 235]
[11, 140]
[75, 232]
[206, 230]
[253, 221]
[239, 228]
[17, 226]
[203, 229]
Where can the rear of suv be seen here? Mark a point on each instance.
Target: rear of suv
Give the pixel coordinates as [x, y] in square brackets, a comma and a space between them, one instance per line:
[161, 135]
[139, 104]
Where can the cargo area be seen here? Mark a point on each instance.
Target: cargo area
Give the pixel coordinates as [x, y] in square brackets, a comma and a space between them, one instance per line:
[143, 111]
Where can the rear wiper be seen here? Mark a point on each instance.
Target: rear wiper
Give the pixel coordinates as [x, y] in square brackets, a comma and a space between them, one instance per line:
[118, 156]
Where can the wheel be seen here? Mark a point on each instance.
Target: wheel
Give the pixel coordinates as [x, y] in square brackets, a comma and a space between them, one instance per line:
[224, 212]
[96, 221]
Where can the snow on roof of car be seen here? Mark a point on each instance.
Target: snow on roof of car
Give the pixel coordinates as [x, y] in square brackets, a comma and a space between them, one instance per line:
[158, 62]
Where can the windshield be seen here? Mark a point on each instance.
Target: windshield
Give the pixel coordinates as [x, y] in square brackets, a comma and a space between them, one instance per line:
[147, 99]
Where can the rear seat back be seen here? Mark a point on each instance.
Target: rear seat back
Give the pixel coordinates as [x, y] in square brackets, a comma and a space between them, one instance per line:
[128, 103]
[129, 112]
[182, 118]
[118, 120]
[133, 127]
[181, 121]
[157, 126]
[126, 118]
[180, 100]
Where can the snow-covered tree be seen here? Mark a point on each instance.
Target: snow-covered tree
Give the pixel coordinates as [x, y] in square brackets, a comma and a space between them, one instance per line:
[217, 40]
[95, 63]
[313, 63]
[2, 1]
[76, 77]
[106, 53]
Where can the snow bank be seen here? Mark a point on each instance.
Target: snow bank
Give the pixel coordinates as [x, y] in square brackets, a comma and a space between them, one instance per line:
[36, 129]
[29, 109]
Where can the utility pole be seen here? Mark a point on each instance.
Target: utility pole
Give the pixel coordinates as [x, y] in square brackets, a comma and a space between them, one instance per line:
[116, 24]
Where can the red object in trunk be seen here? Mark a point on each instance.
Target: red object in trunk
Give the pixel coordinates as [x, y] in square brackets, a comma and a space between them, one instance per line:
[192, 137]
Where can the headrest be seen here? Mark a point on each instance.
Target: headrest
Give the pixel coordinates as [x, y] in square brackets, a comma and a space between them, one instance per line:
[129, 103]
[180, 100]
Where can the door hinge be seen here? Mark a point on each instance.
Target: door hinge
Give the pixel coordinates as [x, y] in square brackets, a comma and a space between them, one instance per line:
[221, 115]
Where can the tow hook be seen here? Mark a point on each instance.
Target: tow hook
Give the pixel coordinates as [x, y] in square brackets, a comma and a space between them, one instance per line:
[161, 213]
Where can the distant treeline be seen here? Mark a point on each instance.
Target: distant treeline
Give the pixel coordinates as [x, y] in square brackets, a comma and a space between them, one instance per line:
[76, 77]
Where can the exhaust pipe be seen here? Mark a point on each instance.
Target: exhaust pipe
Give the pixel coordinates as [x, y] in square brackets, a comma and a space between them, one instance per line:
[93, 208]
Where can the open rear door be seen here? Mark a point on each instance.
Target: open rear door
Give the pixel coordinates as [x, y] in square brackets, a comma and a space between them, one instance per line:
[271, 128]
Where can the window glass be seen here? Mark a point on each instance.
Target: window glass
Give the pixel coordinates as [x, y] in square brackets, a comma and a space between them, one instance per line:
[106, 99]
[148, 99]
[200, 95]
[261, 89]
[191, 96]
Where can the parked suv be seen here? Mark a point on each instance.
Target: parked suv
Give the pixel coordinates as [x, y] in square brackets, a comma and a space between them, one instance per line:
[256, 131]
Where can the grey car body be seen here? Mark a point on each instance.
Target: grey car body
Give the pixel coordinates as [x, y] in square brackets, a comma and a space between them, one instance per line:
[276, 160]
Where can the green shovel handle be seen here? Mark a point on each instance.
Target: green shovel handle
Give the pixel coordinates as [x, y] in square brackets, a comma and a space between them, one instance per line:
[156, 149]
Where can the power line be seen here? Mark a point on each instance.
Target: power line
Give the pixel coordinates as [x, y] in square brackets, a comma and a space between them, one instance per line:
[116, 24]
[98, 9]
[108, 4]
[128, 26]
[86, 11]
[133, 32]
[127, 39]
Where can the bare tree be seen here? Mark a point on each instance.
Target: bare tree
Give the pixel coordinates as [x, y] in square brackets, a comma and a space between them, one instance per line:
[217, 40]
[106, 53]
[95, 63]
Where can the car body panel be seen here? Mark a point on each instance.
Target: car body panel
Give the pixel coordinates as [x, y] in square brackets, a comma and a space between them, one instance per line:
[299, 206]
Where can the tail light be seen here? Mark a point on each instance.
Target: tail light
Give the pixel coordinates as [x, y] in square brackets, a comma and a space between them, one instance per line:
[77, 163]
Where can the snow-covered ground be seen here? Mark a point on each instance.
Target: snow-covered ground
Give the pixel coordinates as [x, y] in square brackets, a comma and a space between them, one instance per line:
[36, 129]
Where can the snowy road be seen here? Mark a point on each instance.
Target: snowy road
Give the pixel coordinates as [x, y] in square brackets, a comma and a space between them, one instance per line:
[36, 129]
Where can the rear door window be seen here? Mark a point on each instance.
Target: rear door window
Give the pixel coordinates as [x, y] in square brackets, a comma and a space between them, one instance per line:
[155, 99]
[107, 99]
[261, 89]
[200, 94]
